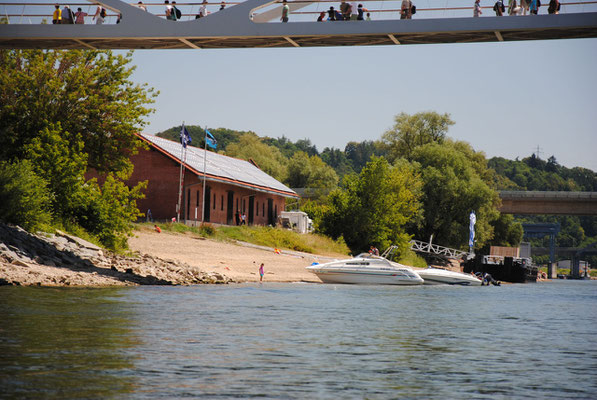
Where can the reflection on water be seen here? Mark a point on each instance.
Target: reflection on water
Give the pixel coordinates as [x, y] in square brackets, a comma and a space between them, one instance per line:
[302, 341]
[65, 343]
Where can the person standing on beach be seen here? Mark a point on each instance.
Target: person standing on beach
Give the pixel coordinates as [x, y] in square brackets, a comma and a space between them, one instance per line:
[261, 273]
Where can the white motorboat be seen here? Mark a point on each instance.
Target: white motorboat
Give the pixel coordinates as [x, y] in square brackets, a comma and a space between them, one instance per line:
[438, 276]
[366, 269]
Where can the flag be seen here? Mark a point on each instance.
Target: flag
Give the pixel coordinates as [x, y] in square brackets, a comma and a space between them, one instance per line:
[471, 239]
[210, 140]
[185, 138]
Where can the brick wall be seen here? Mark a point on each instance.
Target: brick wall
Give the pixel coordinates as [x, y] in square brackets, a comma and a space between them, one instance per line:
[162, 174]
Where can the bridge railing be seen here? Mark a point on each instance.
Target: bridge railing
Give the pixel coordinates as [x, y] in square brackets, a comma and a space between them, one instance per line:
[40, 11]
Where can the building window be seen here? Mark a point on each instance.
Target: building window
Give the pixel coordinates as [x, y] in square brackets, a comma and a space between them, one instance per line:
[197, 205]
[257, 207]
[222, 204]
[214, 201]
[263, 208]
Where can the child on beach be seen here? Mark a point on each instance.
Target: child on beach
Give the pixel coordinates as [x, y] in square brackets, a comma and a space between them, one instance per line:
[261, 273]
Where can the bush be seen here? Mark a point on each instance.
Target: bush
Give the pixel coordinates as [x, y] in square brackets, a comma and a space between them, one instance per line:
[207, 230]
[25, 196]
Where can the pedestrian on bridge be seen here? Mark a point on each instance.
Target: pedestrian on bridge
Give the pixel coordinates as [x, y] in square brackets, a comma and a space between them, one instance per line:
[80, 16]
[477, 8]
[406, 9]
[57, 16]
[285, 11]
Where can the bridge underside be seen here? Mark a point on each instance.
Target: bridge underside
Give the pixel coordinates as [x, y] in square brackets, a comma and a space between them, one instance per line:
[233, 28]
[295, 40]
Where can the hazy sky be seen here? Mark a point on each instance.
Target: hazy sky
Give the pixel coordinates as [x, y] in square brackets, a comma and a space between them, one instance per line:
[506, 98]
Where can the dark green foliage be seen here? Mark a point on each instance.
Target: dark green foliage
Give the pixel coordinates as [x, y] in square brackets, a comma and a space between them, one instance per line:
[25, 197]
[310, 172]
[107, 211]
[374, 207]
[337, 159]
[533, 173]
[359, 153]
[288, 148]
[455, 182]
[87, 92]
[506, 232]
[61, 163]
[223, 136]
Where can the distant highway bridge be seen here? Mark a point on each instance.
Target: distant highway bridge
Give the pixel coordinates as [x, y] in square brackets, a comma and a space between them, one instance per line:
[255, 24]
[548, 203]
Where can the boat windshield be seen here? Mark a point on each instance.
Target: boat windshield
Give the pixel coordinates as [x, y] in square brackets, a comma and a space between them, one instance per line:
[369, 255]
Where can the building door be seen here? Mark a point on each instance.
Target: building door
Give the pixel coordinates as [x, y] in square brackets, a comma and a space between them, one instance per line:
[230, 208]
[270, 212]
[207, 205]
[251, 209]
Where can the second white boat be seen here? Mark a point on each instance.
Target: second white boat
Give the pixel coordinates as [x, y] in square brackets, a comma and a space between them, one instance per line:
[438, 276]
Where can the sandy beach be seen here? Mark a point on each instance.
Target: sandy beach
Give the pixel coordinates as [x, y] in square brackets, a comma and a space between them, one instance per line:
[239, 262]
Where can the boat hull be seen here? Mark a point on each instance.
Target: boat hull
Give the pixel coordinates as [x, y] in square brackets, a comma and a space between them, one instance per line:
[365, 278]
[433, 276]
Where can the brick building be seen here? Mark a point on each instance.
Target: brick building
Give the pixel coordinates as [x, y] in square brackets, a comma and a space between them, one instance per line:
[232, 186]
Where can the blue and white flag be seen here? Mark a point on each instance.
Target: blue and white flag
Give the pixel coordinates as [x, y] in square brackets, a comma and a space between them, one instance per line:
[471, 239]
[185, 138]
[210, 140]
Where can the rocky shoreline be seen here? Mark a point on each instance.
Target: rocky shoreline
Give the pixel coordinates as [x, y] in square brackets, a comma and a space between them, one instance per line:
[63, 260]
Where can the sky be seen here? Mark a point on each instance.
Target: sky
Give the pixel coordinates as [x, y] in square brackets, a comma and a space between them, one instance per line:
[507, 99]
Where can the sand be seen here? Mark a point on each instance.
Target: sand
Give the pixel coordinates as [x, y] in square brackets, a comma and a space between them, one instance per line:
[239, 262]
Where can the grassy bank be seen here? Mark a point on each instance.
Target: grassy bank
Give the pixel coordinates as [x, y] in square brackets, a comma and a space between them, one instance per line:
[263, 236]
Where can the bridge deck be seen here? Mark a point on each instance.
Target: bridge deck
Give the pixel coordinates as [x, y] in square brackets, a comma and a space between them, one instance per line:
[550, 203]
[232, 28]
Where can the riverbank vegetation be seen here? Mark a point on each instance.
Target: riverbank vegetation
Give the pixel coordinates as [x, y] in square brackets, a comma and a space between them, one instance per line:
[63, 115]
[262, 236]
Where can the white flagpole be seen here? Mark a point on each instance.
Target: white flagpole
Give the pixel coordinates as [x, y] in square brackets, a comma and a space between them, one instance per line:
[204, 175]
[182, 149]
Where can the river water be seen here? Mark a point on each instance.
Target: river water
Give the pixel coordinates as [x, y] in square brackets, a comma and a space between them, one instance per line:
[300, 341]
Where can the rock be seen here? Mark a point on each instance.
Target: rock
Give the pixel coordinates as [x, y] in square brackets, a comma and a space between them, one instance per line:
[20, 263]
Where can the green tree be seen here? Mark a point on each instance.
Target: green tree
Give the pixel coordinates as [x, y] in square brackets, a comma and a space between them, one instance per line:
[374, 207]
[268, 158]
[64, 112]
[337, 159]
[455, 182]
[412, 131]
[62, 163]
[107, 211]
[88, 92]
[506, 231]
[310, 172]
[25, 197]
[359, 153]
